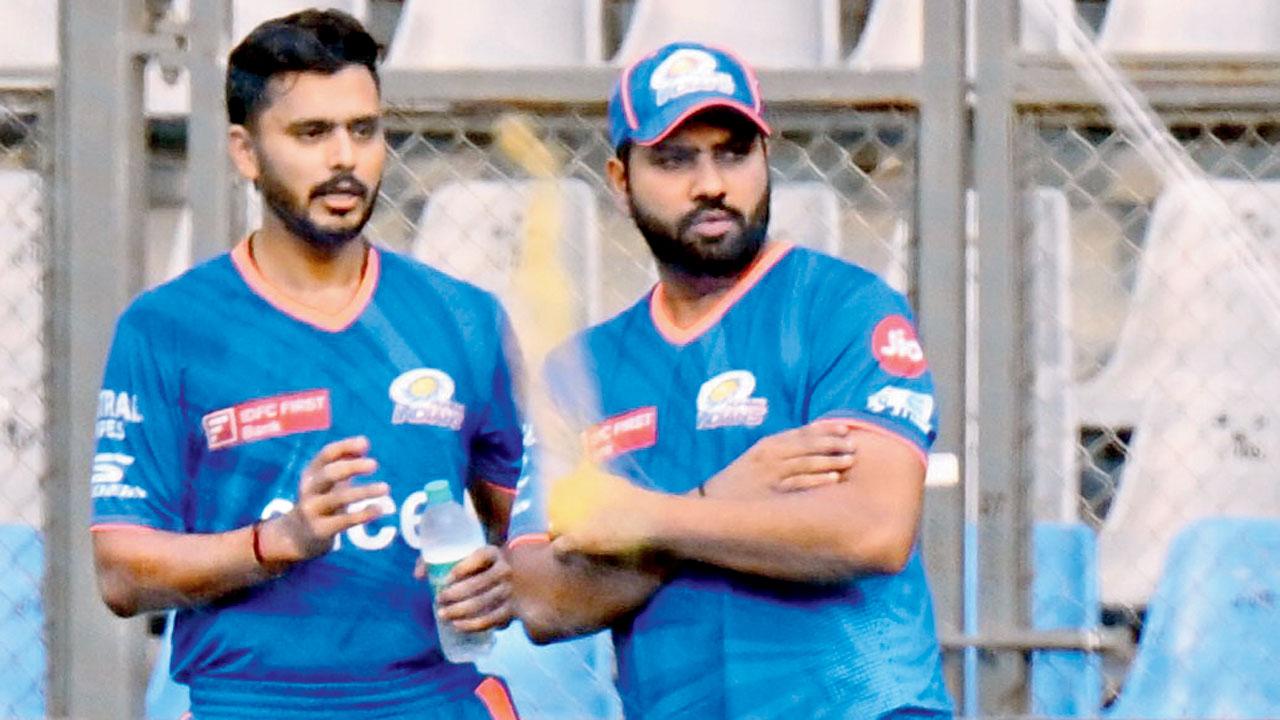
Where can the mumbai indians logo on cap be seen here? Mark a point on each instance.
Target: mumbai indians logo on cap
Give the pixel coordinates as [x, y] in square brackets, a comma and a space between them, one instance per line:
[424, 396]
[686, 71]
[725, 400]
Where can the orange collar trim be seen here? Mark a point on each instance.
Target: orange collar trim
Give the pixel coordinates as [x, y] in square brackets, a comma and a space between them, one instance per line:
[677, 335]
[277, 298]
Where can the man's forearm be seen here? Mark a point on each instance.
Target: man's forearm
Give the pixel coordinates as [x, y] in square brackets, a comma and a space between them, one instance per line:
[864, 524]
[141, 569]
[821, 535]
[563, 597]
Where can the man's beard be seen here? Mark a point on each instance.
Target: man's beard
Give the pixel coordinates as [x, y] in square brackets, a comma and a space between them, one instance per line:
[295, 215]
[727, 256]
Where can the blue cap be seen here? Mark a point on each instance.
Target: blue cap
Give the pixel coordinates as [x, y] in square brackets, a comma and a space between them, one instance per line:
[663, 89]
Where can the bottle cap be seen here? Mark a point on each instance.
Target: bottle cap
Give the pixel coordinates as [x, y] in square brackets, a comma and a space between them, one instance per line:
[438, 492]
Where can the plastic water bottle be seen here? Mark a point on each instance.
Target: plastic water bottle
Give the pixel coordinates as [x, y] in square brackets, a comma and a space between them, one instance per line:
[449, 534]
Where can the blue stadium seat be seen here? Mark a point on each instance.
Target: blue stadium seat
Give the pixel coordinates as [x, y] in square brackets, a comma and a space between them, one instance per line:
[1211, 647]
[22, 646]
[1064, 596]
[570, 680]
[166, 698]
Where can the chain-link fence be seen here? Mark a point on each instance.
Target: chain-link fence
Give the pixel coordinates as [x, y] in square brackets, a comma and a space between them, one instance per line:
[842, 182]
[26, 126]
[1155, 402]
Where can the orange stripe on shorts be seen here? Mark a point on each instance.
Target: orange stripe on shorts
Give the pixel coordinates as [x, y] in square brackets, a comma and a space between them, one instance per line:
[496, 699]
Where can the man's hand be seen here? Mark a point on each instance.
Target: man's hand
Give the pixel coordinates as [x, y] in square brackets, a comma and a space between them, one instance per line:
[593, 512]
[325, 494]
[476, 595]
[808, 456]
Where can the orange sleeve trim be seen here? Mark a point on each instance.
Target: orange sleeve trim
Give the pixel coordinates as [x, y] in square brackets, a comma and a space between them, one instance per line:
[677, 335]
[242, 258]
[497, 700]
[529, 539]
[100, 527]
[500, 488]
[921, 455]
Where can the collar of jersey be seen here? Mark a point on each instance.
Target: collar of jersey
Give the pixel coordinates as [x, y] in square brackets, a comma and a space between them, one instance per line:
[677, 335]
[329, 322]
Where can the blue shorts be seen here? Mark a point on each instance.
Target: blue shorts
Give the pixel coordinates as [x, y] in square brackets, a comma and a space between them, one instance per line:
[489, 700]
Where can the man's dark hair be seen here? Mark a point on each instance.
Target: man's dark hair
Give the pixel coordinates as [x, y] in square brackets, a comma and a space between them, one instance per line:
[320, 41]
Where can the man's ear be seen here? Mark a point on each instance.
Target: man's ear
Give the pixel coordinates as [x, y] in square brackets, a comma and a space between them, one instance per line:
[616, 171]
[244, 154]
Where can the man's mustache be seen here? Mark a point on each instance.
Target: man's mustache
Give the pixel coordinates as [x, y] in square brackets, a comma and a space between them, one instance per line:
[344, 183]
[706, 208]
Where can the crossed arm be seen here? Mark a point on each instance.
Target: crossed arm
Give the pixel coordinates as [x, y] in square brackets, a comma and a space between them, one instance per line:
[861, 520]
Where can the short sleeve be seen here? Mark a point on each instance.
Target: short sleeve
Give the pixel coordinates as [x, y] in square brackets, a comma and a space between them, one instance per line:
[137, 475]
[869, 367]
[497, 447]
[529, 512]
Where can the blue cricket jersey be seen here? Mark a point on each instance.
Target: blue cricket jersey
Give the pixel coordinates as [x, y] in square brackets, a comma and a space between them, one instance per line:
[801, 337]
[219, 390]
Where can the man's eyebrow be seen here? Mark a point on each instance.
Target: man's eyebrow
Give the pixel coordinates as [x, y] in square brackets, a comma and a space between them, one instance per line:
[308, 123]
[671, 147]
[305, 123]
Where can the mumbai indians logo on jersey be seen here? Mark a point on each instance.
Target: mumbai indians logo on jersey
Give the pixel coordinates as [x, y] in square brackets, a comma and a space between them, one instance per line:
[687, 71]
[725, 400]
[424, 396]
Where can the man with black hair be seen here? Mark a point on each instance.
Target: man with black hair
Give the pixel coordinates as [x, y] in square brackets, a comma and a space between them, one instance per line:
[268, 421]
[746, 567]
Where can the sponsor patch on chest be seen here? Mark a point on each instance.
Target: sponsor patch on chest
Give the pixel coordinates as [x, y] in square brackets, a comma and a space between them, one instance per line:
[632, 430]
[269, 417]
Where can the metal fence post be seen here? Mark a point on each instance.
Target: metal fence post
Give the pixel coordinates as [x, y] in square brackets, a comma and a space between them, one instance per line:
[1001, 497]
[211, 177]
[96, 667]
[940, 284]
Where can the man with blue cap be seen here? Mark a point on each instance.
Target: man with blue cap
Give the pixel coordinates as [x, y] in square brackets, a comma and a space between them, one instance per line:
[747, 564]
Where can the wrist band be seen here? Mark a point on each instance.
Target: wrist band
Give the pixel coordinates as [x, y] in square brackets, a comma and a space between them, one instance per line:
[702, 489]
[257, 551]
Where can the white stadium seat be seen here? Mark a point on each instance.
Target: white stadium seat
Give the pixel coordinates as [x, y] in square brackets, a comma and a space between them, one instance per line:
[249, 14]
[22, 409]
[1194, 373]
[1216, 27]
[496, 33]
[806, 213]
[1053, 437]
[1038, 34]
[28, 37]
[476, 229]
[766, 33]
[893, 36]
[168, 94]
